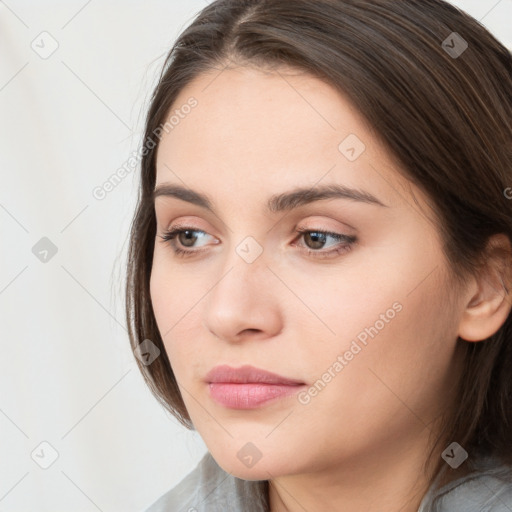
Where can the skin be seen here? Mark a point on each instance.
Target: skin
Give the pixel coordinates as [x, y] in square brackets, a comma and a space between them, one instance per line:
[360, 443]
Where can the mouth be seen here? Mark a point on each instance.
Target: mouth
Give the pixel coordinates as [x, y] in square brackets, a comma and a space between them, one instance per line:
[248, 387]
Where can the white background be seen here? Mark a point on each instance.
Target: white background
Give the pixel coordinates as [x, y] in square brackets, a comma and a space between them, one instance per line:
[67, 374]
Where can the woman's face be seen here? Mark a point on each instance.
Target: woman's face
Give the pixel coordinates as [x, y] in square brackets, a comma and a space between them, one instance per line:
[363, 321]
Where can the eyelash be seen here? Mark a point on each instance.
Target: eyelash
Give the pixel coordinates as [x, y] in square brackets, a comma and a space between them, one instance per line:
[349, 240]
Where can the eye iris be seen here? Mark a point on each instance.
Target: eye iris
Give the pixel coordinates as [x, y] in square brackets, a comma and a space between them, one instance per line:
[318, 239]
[188, 238]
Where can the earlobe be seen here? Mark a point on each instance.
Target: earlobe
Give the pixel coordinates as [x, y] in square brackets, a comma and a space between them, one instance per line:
[491, 303]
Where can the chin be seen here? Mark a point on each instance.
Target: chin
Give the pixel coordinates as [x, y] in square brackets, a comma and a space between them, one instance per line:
[264, 469]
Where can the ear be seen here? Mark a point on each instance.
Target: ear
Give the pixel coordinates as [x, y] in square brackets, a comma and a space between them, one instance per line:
[489, 300]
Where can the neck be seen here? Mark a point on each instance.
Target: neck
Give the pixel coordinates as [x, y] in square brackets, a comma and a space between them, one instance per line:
[389, 479]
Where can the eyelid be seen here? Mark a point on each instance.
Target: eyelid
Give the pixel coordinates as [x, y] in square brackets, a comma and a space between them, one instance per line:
[185, 226]
[344, 243]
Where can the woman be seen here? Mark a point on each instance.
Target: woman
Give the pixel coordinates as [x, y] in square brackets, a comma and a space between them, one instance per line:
[320, 260]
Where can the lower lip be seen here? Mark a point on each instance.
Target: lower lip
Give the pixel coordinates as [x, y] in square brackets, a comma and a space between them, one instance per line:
[249, 396]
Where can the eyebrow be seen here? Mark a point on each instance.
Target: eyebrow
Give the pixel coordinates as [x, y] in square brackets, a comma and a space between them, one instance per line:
[278, 202]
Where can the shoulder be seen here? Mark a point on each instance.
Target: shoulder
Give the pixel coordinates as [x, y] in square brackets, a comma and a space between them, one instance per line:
[208, 488]
[488, 489]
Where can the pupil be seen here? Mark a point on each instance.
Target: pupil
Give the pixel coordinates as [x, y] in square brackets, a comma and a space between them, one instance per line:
[318, 239]
[189, 238]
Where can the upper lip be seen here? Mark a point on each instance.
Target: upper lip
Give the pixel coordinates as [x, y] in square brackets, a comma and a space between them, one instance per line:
[246, 374]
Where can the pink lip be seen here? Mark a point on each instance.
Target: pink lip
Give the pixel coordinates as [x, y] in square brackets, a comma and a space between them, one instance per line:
[248, 387]
[247, 374]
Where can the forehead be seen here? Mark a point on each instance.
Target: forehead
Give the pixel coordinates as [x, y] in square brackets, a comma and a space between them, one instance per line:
[269, 130]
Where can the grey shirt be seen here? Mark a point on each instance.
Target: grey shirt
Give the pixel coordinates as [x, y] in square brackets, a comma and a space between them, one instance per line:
[208, 488]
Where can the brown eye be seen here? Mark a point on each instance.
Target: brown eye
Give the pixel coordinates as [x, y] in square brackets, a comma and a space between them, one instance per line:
[186, 237]
[183, 237]
[316, 240]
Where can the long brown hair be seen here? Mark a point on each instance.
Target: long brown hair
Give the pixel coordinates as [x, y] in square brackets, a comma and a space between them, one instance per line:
[435, 86]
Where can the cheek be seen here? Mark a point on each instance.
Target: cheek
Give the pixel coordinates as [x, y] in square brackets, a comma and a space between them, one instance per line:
[405, 363]
[170, 291]
[175, 300]
[163, 299]
[349, 296]
[394, 382]
[389, 316]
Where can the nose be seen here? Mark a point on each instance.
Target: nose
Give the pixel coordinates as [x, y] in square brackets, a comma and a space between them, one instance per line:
[243, 303]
